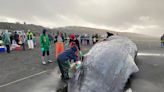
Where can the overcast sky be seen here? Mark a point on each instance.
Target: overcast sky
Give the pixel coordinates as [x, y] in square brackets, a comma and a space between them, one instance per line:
[141, 16]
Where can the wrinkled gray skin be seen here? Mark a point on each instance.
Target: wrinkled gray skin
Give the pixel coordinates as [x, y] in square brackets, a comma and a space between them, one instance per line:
[106, 67]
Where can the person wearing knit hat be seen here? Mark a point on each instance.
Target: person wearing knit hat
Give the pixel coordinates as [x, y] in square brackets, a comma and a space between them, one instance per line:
[73, 40]
[72, 36]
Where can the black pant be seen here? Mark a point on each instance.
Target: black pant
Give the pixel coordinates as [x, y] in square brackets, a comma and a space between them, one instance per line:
[8, 48]
[81, 41]
[87, 42]
[17, 41]
[44, 52]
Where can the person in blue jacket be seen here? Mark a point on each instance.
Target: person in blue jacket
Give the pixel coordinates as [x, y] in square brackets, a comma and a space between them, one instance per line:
[64, 61]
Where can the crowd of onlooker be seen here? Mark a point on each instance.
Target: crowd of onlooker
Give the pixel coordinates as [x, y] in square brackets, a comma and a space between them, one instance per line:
[20, 40]
[17, 40]
[67, 46]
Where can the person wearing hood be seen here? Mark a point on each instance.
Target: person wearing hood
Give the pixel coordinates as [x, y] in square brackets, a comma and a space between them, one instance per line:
[45, 46]
[22, 40]
[63, 61]
[6, 40]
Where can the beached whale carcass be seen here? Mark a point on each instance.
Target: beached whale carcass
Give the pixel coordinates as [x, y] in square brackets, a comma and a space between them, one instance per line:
[107, 67]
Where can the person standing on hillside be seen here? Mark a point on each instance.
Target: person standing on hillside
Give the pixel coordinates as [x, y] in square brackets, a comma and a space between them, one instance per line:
[30, 39]
[162, 40]
[6, 40]
[45, 46]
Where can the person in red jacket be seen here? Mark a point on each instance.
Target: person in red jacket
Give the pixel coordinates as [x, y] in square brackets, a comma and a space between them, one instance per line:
[73, 40]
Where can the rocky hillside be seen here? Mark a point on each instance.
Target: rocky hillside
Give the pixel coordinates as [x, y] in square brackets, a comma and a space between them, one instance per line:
[18, 26]
[38, 29]
[69, 29]
[81, 30]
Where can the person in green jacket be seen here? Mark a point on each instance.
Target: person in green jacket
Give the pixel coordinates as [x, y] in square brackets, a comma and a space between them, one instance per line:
[45, 46]
[6, 40]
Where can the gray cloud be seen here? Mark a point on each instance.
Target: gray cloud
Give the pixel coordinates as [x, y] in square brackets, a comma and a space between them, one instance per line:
[142, 16]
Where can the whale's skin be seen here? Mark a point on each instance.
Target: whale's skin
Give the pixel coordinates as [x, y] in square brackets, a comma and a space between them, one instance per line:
[107, 67]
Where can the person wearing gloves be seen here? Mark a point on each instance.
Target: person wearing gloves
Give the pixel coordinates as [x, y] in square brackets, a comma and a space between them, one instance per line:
[64, 61]
[45, 46]
[75, 41]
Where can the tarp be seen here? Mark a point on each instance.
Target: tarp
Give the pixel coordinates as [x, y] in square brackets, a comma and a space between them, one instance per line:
[106, 67]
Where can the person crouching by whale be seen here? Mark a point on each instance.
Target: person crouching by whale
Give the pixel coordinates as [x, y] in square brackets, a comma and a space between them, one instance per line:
[64, 61]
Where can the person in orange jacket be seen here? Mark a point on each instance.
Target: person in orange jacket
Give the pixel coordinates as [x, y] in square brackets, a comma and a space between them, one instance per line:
[59, 39]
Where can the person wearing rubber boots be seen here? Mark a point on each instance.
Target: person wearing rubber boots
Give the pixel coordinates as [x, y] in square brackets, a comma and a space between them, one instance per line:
[45, 46]
[64, 61]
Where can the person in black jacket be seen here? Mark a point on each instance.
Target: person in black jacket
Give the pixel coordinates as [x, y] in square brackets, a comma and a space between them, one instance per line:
[162, 40]
[16, 38]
